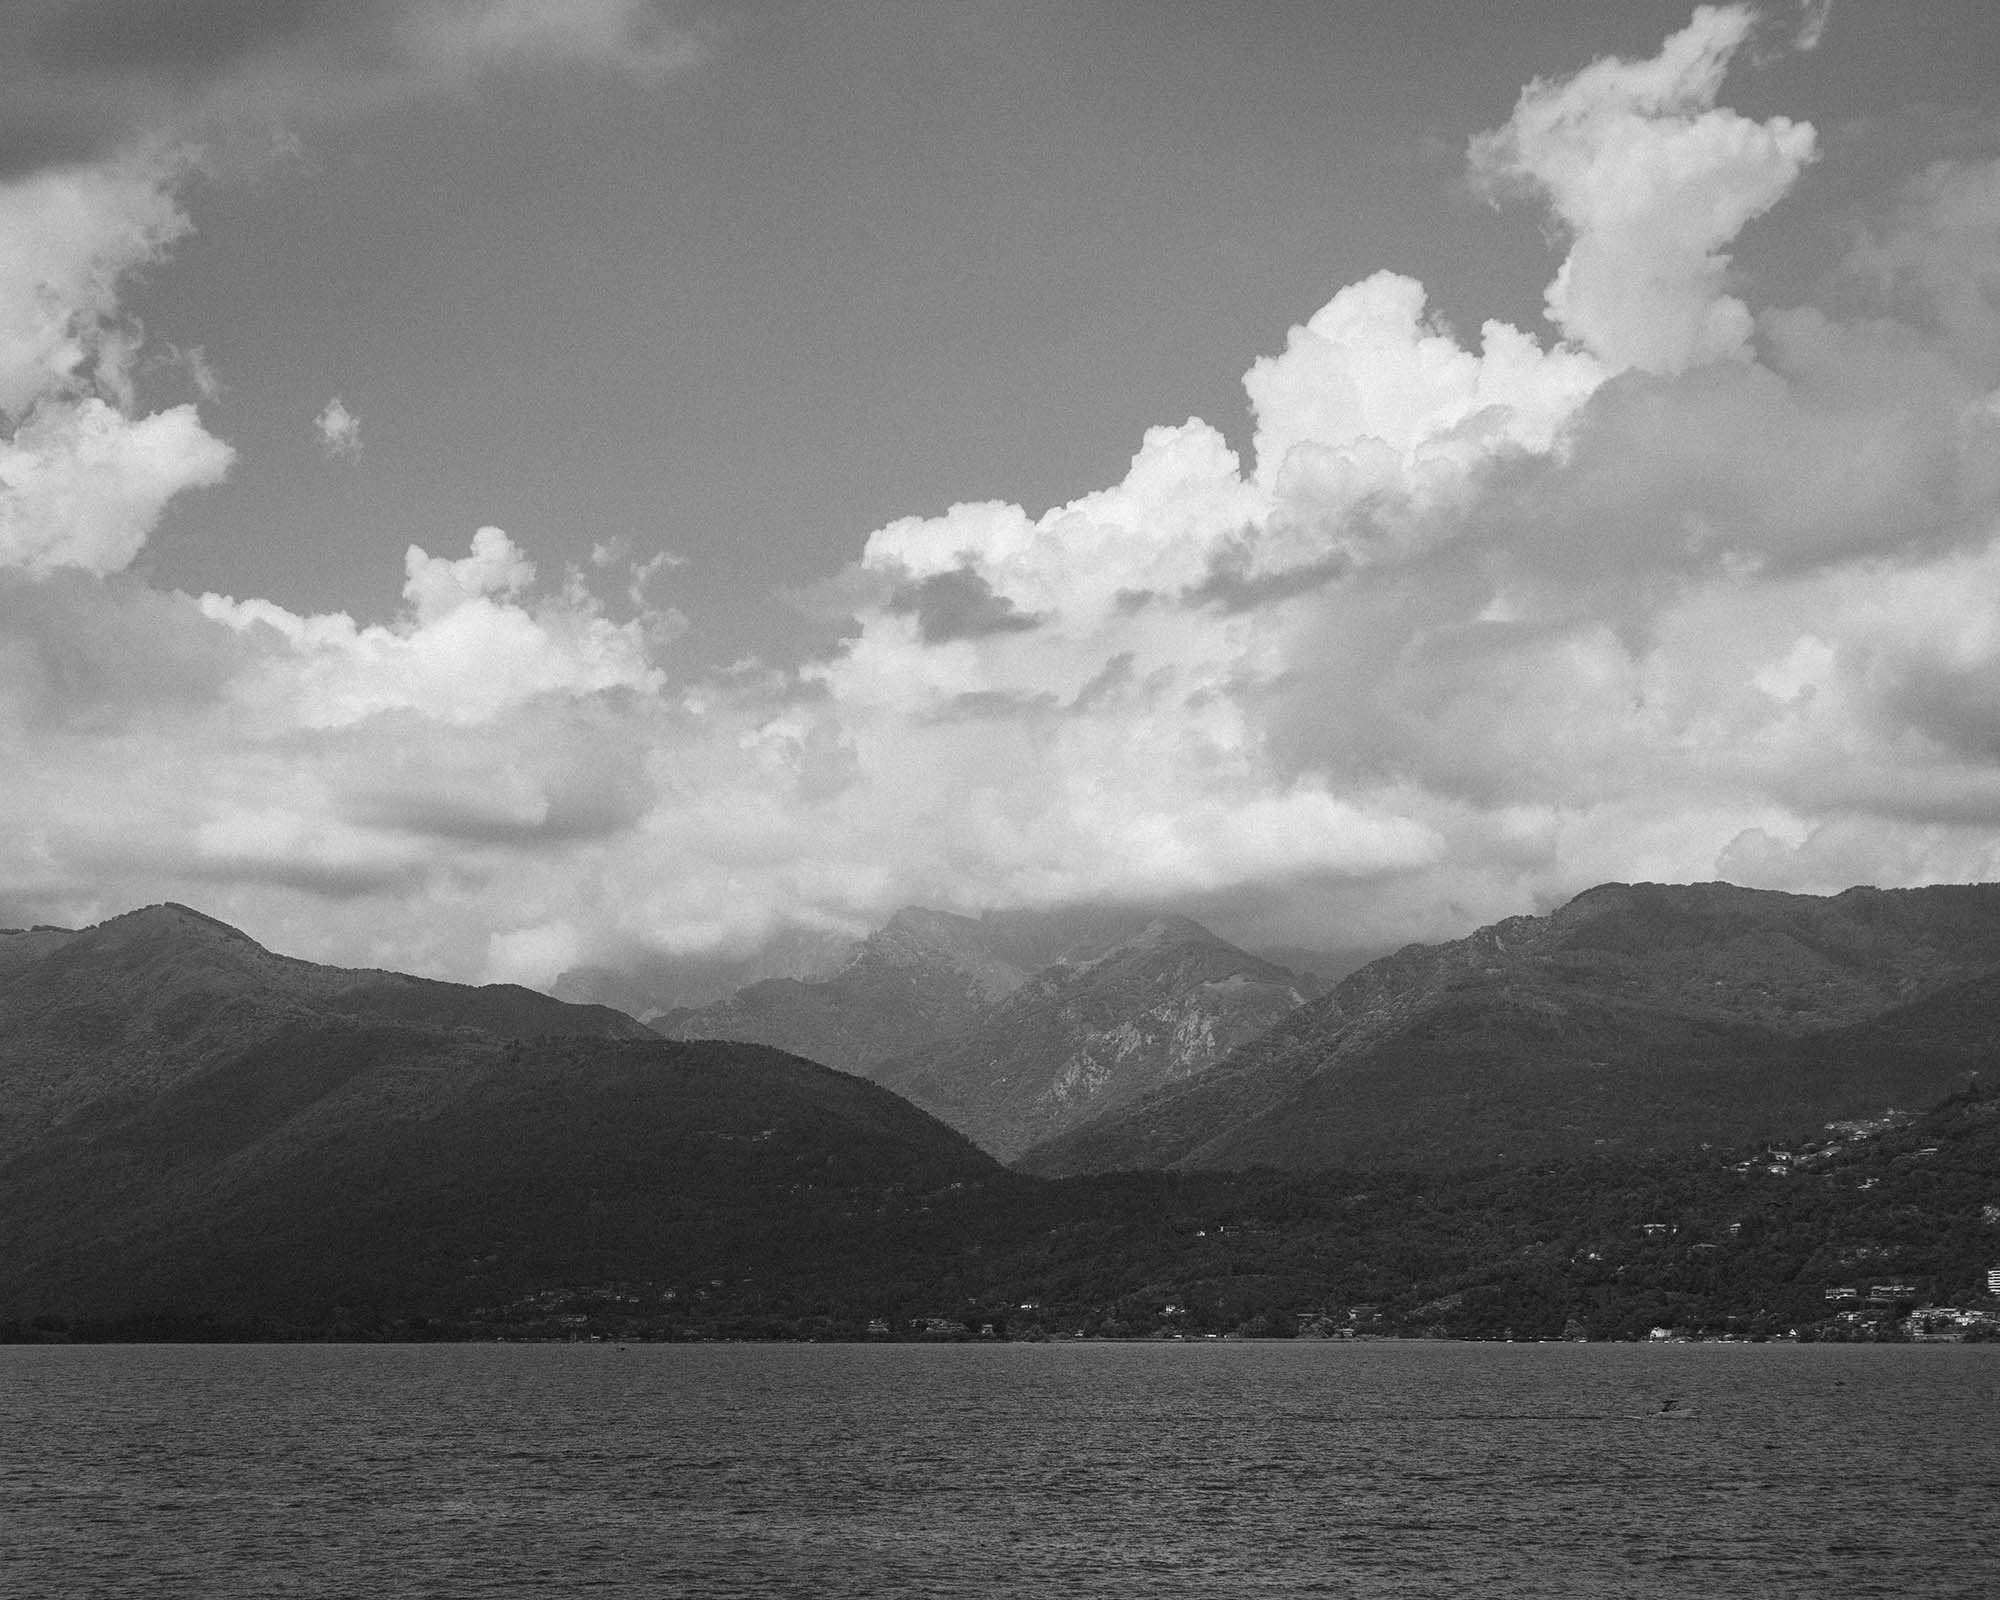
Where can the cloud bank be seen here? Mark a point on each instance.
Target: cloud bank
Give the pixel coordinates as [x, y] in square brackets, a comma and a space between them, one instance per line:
[1689, 587]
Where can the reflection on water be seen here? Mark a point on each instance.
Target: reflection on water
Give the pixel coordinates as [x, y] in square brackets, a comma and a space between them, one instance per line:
[1141, 1470]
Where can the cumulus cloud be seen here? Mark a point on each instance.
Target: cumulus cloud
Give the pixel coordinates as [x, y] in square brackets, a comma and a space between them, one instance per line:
[248, 754]
[1698, 586]
[83, 479]
[1651, 180]
[339, 429]
[81, 485]
[465, 652]
[67, 240]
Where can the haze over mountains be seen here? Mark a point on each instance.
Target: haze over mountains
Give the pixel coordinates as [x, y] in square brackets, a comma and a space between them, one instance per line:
[1014, 1028]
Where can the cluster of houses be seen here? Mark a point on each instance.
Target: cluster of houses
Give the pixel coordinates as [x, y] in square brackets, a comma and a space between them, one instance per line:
[1857, 1308]
[1782, 1163]
[1948, 1324]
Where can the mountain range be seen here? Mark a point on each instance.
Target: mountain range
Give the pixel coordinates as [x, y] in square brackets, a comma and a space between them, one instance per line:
[1635, 1017]
[194, 1127]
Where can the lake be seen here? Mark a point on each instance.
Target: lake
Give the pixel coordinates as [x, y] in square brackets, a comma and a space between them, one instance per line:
[1252, 1469]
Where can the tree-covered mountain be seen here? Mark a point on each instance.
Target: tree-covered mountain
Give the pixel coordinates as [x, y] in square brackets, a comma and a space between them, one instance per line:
[132, 1006]
[196, 1127]
[1636, 1017]
[785, 1216]
[251, 1146]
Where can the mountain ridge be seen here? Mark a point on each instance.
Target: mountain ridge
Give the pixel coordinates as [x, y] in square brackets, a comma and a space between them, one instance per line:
[1537, 1036]
[192, 1125]
[279, 1167]
[131, 1004]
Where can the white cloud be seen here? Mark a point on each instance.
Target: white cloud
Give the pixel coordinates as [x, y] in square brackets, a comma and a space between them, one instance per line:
[68, 238]
[339, 429]
[1375, 419]
[81, 484]
[83, 480]
[465, 653]
[1652, 181]
[1693, 589]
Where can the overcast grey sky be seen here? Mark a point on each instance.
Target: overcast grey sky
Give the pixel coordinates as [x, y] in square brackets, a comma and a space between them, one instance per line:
[713, 314]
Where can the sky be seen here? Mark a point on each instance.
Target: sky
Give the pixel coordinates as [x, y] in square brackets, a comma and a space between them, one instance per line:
[496, 487]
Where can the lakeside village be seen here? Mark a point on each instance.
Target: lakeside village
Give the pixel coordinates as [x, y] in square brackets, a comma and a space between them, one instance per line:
[1866, 1234]
[628, 1313]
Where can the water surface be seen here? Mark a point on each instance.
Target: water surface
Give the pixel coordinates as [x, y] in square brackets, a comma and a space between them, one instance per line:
[1257, 1469]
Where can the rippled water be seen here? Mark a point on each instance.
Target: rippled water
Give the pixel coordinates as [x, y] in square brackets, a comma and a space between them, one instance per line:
[938, 1470]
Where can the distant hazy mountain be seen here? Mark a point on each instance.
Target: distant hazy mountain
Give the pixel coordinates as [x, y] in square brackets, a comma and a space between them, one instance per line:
[923, 978]
[129, 1007]
[197, 1127]
[1636, 1016]
[1014, 1026]
[649, 988]
[1084, 1035]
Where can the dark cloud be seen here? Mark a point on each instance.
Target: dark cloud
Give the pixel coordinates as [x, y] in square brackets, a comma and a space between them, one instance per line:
[568, 820]
[41, 127]
[1231, 586]
[27, 906]
[1957, 707]
[80, 77]
[1960, 796]
[994, 705]
[960, 604]
[1868, 447]
[76, 652]
[329, 880]
[1116, 675]
[184, 43]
